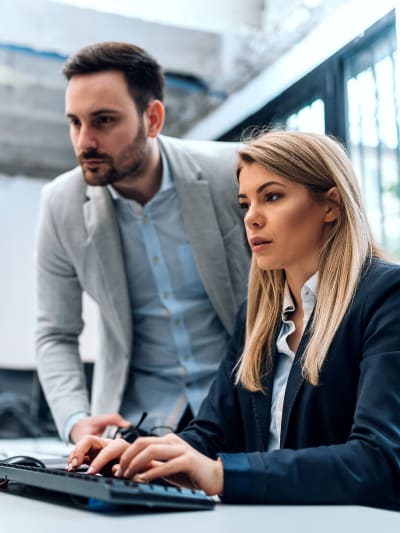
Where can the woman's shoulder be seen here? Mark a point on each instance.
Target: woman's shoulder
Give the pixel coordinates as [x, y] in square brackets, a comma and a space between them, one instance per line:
[379, 277]
[380, 270]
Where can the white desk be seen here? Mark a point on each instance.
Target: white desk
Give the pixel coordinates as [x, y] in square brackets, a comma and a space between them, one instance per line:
[20, 514]
[40, 448]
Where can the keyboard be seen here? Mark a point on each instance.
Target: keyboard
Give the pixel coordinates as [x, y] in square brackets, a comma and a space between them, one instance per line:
[98, 490]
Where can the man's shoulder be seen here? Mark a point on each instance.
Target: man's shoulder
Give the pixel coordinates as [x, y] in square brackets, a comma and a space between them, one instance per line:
[66, 185]
[200, 149]
[211, 161]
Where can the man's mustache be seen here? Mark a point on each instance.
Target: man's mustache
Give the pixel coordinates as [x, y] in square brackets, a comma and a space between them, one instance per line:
[93, 154]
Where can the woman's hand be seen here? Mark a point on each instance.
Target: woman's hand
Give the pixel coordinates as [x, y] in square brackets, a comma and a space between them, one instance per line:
[98, 452]
[171, 458]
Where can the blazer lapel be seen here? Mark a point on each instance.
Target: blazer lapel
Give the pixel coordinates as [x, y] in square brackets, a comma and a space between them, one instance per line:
[208, 247]
[261, 403]
[294, 384]
[201, 226]
[103, 232]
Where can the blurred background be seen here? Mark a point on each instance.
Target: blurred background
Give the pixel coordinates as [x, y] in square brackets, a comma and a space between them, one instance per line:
[319, 65]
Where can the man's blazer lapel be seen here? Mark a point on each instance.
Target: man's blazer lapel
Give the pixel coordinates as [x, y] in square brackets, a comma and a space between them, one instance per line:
[102, 228]
[208, 247]
[200, 224]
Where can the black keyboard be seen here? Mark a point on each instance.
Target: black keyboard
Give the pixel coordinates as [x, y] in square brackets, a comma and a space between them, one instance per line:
[108, 490]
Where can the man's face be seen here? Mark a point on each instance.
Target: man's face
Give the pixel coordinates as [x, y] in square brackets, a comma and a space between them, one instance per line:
[107, 133]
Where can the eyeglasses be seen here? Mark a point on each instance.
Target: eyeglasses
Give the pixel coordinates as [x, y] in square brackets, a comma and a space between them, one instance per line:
[131, 433]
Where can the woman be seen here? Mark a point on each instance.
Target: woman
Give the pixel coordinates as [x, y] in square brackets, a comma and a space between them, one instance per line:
[306, 406]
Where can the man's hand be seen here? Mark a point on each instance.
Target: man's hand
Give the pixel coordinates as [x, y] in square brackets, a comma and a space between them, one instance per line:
[95, 425]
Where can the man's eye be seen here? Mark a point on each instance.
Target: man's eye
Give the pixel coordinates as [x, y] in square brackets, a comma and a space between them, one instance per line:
[106, 120]
[74, 122]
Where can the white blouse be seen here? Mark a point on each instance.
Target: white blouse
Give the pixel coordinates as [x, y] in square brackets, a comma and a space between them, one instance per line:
[286, 355]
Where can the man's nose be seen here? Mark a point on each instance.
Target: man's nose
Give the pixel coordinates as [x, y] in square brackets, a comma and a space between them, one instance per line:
[86, 139]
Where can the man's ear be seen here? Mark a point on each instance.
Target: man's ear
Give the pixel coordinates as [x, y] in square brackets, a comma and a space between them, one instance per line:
[333, 204]
[154, 117]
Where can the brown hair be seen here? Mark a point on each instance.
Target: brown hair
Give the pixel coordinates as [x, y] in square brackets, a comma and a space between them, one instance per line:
[142, 73]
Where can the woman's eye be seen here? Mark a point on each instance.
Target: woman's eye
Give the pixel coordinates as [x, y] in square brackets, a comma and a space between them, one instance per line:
[272, 197]
[243, 206]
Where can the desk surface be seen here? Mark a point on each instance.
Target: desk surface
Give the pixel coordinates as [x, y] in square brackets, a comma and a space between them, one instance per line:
[41, 517]
[37, 447]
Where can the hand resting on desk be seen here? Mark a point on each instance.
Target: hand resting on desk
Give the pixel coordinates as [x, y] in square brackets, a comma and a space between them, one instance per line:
[95, 425]
[149, 458]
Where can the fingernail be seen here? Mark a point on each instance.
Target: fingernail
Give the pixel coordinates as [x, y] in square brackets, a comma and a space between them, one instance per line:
[118, 472]
[90, 470]
[74, 461]
[68, 467]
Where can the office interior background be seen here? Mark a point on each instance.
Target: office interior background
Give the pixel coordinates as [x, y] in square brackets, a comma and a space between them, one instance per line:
[313, 65]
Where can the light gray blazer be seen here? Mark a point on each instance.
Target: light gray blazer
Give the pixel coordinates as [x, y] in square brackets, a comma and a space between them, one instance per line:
[79, 249]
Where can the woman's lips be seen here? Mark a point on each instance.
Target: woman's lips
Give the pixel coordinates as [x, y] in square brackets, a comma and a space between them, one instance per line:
[259, 243]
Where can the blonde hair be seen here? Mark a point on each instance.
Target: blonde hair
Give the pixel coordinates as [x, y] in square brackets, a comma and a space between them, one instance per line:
[319, 163]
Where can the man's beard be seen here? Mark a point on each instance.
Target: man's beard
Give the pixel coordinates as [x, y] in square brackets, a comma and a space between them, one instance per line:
[130, 162]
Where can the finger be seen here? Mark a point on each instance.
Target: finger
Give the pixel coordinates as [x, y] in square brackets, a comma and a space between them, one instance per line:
[123, 422]
[85, 447]
[109, 453]
[168, 469]
[135, 448]
[142, 443]
[153, 452]
[111, 419]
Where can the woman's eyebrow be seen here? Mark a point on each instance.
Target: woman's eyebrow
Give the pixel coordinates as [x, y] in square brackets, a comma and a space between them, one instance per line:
[262, 187]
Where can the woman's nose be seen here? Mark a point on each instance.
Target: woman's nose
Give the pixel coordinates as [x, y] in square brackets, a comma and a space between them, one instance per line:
[254, 218]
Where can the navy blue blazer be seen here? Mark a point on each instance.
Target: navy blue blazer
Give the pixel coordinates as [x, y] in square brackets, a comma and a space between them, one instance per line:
[340, 440]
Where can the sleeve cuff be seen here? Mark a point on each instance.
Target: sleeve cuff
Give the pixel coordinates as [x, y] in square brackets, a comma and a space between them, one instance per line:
[237, 478]
[71, 421]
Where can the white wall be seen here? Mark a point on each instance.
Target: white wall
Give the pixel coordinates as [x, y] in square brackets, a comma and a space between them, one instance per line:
[19, 206]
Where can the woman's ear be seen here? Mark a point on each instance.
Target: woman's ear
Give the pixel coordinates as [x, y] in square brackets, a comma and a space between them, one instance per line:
[333, 204]
[154, 117]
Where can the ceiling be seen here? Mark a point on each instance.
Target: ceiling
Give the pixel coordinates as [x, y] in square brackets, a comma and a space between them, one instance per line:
[209, 50]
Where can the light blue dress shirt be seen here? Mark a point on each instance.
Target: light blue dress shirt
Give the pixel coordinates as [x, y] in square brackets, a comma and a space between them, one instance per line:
[286, 355]
[178, 339]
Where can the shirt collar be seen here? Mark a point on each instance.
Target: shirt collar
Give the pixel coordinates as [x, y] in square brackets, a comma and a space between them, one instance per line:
[310, 288]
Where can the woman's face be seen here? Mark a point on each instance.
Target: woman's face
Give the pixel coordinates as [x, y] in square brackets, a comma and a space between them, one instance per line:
[285, 225]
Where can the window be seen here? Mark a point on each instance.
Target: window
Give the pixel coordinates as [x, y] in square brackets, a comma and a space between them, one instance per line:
[310, 117]
[355, 96]
[373, 134]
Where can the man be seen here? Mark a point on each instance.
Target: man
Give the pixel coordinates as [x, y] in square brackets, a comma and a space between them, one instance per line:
[149, 227]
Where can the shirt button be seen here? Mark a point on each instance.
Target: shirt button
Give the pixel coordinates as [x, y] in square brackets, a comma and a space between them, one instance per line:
[165, 311]
[186, 357]
[145, 219]
[165, 295]
[177, 322]
[155, 260]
